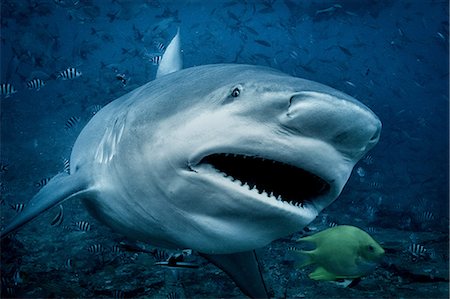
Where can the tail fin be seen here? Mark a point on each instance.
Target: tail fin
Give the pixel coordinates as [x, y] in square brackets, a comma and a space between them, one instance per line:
[59, 188]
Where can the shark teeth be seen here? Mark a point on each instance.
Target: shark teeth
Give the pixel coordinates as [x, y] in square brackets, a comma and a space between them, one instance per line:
[270, 178]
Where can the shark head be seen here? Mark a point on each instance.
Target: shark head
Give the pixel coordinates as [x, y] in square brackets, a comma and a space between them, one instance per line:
[236, 155]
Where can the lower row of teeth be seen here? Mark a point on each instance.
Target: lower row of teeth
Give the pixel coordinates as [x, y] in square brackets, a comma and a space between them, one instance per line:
[271, 195]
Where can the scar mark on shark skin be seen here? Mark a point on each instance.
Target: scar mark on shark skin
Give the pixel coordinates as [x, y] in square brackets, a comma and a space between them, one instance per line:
[108, 145]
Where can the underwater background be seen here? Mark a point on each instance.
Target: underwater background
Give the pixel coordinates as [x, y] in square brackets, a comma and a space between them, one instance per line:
[62, 60]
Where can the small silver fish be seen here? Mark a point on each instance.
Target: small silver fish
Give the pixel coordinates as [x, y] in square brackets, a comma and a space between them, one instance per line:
[58, 218]
[94, 109]
[16, 278]
[69, 264]
[7, 90]
[361, 172]
[3, 167]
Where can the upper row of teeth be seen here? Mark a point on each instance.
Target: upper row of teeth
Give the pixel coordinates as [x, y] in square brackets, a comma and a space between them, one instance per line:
[251, 157]
[271, 195]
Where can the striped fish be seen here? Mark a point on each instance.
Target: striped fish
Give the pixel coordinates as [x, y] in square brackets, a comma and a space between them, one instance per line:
[332, 224]
[116, 249]
[368, 160]
[83, 226]
[58, 218]
[18, 207]
[372, 230]
[160, 255]
[7, 90]
[35, 84]
[160, 47]
[66, 166]
[72, 122]
[42, 182]
[70, 73]
[426, 216]
[156, 59]
[173, 295]
[417, 250]
[118, 294]
[96, 248]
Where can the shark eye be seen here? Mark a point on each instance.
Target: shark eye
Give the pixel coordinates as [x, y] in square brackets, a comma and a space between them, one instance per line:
[236, 92]
[371, 248]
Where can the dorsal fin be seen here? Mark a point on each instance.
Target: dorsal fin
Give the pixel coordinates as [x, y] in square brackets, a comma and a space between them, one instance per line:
[171, 60]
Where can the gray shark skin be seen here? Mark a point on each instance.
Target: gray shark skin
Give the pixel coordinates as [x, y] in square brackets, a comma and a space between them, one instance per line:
[161, 163]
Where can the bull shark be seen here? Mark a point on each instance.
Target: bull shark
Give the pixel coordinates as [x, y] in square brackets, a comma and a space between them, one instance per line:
[222, 159]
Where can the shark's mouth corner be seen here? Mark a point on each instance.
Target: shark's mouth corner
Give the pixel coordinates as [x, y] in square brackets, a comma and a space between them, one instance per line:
[282, 181]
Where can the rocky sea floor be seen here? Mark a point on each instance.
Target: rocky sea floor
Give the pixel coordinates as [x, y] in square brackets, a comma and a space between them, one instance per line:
[44, 270]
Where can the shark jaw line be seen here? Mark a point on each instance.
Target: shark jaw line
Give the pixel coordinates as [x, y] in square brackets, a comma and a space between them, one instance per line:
[278, 182]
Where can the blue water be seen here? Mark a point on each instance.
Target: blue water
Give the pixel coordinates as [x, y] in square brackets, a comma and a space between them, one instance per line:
[393, 56]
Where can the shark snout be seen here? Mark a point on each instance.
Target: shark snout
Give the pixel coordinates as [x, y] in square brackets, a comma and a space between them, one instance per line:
[339, 120]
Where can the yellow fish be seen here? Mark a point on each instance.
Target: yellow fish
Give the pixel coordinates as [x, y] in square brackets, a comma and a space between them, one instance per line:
[342, 252]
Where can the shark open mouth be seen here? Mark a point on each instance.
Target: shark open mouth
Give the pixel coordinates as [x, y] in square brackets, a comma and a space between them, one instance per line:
[283, 181]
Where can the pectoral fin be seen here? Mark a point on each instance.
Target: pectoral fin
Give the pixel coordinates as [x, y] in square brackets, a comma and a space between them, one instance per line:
[322, 274]
[245, 271]
[60, 188]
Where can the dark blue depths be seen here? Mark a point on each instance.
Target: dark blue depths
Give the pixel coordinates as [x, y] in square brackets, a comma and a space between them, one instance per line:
[62, 60]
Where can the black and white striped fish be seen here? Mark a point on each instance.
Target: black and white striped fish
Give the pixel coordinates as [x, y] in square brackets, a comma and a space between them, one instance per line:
[96, 248]
[58, 218]
[116, 249]
[18, 207]
[417, 250]
[72, 122]
[70, 73]
[172, 295]
[41, 183]
[160, 47]
[7, 90]
[118, 294]
[66, 166]
[332, 224]
[35, 84]
[426, 216]
[83, 226]
[156, 59]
